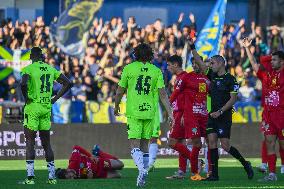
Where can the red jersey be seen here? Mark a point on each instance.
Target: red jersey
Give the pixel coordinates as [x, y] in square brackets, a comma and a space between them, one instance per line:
[274, 95]
[177, 98]
[195, 88]
[81, 161]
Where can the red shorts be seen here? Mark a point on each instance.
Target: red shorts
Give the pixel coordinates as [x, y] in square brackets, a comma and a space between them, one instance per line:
[275, 124]
[178, 130]
[102, 167]
[196, 126]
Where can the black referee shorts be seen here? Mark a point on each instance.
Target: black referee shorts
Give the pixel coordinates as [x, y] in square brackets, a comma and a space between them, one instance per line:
[221, 126]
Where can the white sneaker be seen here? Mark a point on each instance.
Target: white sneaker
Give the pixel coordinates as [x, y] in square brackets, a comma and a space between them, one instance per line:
[141, 179]
[269, 178]
[282, 169]
[262, 168]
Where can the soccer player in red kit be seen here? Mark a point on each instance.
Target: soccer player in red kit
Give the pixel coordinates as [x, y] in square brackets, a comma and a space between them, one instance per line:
[178, 131]
[82, 164]
[274, 102]
[194, 87]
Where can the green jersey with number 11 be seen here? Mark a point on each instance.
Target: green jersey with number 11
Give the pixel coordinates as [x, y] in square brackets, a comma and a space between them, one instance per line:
[141, 81]
[40, 84]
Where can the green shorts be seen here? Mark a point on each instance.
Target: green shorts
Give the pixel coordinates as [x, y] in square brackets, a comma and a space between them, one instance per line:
[156, 129]
[37, 117]
[139, 128]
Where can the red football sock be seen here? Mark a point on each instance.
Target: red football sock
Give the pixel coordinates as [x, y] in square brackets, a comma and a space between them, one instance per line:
[281, 152]
[263, 152]
[194, 159]
[182, 161]
[272, 163]
[209, 161]
[106, 155]
[182, 149]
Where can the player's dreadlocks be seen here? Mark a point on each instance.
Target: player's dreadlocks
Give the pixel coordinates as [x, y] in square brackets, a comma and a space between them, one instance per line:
[36, 54]
[143, 52]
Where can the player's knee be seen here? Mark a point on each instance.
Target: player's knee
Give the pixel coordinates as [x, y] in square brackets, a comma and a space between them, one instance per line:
[225, 146]
[270, 143]
[196, 142]
[120, 164]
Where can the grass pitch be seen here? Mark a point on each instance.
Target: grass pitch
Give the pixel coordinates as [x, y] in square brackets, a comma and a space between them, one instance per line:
[232, 176]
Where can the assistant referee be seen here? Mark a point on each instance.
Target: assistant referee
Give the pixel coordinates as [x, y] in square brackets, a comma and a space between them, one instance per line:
[223, 91]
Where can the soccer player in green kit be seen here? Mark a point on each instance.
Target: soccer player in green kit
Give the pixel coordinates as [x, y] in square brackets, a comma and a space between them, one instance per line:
[141, 80]
[36, 85]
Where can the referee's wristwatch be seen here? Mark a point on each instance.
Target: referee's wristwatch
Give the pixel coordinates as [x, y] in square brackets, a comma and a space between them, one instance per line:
[220, 111]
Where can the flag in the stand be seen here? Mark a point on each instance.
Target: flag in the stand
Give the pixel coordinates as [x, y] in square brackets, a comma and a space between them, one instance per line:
[209, 38]
[70, 31]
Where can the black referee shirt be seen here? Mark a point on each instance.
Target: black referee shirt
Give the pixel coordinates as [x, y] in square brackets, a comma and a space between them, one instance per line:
[220, 89]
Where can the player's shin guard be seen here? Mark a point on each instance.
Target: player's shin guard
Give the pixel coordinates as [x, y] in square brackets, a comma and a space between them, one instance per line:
[51, 170]
[153, 150]
[30, 168]
[182, 161]
[137, 156]
[214, 162]
[272, 163]
[146, 160]
[194, 160]
[263, 152]
[236, 154]
[182, 149]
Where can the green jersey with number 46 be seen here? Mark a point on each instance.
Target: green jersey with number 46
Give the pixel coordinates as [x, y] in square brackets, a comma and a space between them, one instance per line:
[40, 83]
[141, 81]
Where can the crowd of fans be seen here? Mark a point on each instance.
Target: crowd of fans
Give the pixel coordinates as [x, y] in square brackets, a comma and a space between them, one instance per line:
[109, 49]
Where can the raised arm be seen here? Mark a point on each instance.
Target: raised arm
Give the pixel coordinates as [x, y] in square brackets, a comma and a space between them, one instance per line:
[203, 67]
[246, 45]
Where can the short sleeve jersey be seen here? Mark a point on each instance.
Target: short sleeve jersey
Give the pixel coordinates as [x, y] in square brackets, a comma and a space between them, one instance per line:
[220, 89]
[142, 82]
[41, 81]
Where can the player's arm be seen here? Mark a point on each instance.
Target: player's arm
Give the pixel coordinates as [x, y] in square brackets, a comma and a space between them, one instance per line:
[119, 94]
[177, 90]
[82, 151]
[24, 86]
[121, 89]
[66, 85]
[201, 64]
[165, 101]
[246, 44]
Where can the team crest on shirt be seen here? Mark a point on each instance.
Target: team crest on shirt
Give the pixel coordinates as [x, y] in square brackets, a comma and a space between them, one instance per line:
[178, 84]
[221, 131]
[218, 83]
[194, 131]
[202, 87]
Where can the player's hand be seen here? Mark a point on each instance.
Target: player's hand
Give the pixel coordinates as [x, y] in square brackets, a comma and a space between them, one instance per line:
[246, 42]
[215, 114]
[116, 111]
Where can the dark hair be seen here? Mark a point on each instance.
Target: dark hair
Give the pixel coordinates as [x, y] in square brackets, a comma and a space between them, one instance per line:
[219, 58]
[36, 54]
[280, 54]
[143, 52]
[175, 59]
[60, 173]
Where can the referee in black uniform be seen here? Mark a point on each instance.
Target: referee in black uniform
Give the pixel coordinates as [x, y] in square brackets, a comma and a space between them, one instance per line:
[223, 91]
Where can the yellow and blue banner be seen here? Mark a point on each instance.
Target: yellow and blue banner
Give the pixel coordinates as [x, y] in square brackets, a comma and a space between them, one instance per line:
[209, 38]
[70, 31]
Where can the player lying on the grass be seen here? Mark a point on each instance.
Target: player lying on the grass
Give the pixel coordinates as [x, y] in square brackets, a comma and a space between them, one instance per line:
[84, 165]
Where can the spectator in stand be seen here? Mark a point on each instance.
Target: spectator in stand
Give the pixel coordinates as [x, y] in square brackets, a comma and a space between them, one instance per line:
[246, 93]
